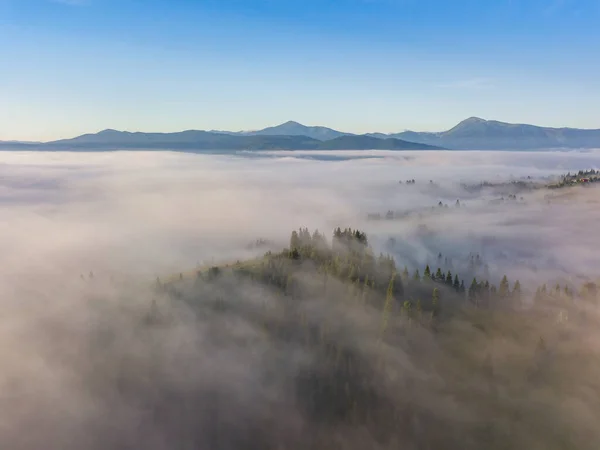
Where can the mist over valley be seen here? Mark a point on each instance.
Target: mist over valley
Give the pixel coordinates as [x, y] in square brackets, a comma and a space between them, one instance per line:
[335, 299]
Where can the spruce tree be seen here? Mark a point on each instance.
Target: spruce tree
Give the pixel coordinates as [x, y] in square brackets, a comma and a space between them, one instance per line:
[416, 276]
[473, 290]
[449, 278]
[398, 287]
[439, 276]
[504, 289]
[517, 291]
[294, 241]
[427, 273]
[456, 284]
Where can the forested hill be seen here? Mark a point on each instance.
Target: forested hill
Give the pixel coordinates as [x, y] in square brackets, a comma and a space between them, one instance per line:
[350, 260]
[359, 353]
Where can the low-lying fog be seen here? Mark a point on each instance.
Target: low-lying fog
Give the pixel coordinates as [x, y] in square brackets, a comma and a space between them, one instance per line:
[65, 362]
[153, 213]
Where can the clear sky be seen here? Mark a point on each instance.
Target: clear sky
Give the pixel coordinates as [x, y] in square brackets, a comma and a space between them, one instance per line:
[75, 66]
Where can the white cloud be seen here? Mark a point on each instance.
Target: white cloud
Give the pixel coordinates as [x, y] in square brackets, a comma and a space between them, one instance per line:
[159, 212]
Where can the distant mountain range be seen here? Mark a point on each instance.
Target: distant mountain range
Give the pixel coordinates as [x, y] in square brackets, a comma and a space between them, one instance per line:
[210, 140]
[292, 128]
[471, 134]
[479, 134]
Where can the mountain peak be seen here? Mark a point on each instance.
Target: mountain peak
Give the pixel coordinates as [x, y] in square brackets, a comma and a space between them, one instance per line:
[472, 120]
[108, 131]
[292, 122]
[293, 128]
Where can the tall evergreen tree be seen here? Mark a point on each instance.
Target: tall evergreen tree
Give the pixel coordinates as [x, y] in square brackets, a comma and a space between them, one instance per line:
[472, 295]
[439, 276]
[427, 273]
[456, 284]
[504, 289]
[516, 292]
[416, 276]
[449, 278]
[294, 241]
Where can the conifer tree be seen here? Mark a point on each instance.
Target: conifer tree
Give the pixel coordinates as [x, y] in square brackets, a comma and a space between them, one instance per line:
[517, 291]
[294, 241]
[439, 276]
[427, 273]
[456, 284]
[449, 278]
[416, 276]
[473, 290]
[504, 289]
[398, 286]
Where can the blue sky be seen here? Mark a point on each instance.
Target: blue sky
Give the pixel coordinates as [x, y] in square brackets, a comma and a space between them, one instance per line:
[74, 66]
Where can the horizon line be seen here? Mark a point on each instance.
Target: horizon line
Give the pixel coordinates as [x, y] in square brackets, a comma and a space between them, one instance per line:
[389, 134]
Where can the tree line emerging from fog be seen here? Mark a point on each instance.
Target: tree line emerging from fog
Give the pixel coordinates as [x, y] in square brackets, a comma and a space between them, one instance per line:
[581, 178]
[508, 189]
[347, 384]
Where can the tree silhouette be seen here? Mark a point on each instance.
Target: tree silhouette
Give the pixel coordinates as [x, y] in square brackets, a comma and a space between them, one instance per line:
[427, 273]
[504, 289]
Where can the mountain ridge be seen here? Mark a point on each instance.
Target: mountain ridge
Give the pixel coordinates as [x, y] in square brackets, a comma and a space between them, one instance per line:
[476, 133]
[193, 140]
[473, 133]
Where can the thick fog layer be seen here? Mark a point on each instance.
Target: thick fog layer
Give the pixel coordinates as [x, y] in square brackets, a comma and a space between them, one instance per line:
[159, 212]
[83, 236]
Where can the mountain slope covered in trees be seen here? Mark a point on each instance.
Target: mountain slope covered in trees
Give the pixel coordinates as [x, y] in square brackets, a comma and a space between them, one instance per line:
[358, 353]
